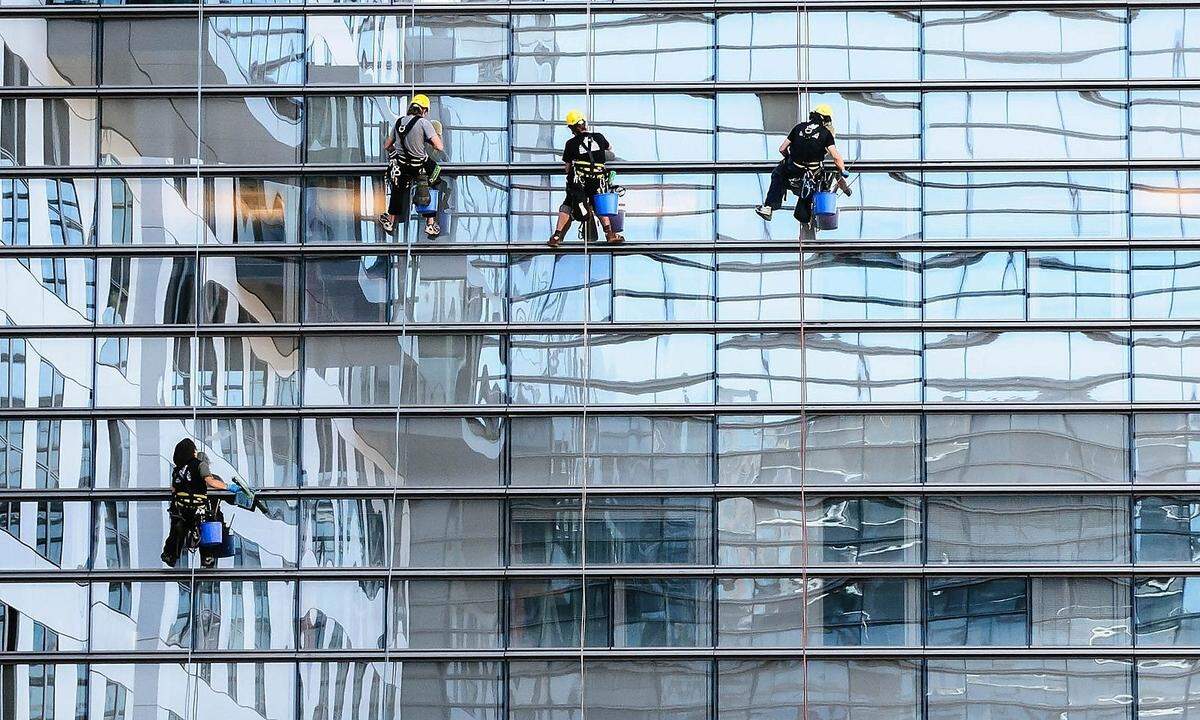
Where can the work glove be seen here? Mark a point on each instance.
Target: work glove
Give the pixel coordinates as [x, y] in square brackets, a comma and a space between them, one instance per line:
[437, 126]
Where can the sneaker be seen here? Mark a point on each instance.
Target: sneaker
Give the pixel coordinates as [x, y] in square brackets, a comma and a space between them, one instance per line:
[387, 223]
[764, 212]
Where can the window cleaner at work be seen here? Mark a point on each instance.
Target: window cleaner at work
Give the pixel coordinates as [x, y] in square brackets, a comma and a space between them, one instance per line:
[190, 505]
[411, 171]
[803, 152]
[584, 157]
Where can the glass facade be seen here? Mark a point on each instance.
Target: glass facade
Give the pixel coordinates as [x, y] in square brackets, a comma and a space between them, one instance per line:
[940, 463]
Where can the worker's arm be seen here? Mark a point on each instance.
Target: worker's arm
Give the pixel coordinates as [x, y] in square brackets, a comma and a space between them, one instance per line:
[783, 147]
[215, 483]
[436, 142]
[837, 158]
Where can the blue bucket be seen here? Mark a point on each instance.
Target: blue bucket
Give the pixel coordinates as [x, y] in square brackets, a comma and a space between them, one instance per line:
[432, 206]
[605, 203]
[825, 203]
[827, 222]
[212, 534]
[229, 547]
[618, 222]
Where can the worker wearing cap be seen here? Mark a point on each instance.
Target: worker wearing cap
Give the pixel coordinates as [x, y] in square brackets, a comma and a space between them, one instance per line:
[409, 164]
[803, 152]
[583, 157]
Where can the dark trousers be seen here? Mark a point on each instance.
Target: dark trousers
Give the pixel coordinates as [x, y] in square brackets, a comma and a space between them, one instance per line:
[784, 174]
[184, 521]
[400, 195]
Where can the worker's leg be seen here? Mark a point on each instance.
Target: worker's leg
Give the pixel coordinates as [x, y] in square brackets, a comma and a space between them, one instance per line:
[176, 538]
[783, 172]
[804, 210]
[612, 237]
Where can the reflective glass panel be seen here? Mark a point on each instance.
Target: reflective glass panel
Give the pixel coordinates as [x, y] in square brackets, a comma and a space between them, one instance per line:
[1166, 610]
[253, 50]
[1078, 285]
[44, 617]
[1164, 204]
[245, 210]
[1163, 42]
[1163, 123]
[1166, 284]
[341, 614]
[252, 130]
[861, 286]
[1166, 366]
[45, 535]
[450, 289]
[977, 611]
[243, 289]
[974, 285]
[344, 532]
[850, 689]
[1166, 529]
[446, 533]
[1078, 611]
[639, 530]
[59, 291]
[434, 614]
[1166, 448]
[652, 47]
[1098, 689]
[41, 52]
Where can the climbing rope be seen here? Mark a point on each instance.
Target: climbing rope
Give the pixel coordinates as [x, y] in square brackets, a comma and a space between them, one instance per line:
[592, 219]
[803, 102]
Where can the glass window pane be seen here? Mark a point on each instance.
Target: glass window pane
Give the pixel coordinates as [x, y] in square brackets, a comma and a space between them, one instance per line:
[1166, 448]
[341, 614]
[150, 131]
[652, 47]
[253, 50]
[1168, 687]
[619, 451]
[342, 209]
[136, 452]
[545, 690]
[146, 290]
[45, 617]
[1098, 689]
[443, 370]
[1163, 42]
[48, 52]
[47, 211]
[249, 371]
[457, 49]
[861, 286]
[1028, 528]
[252, 130]
[842, 449]
[856, 46]
[1166, 529]
[758, 47]
[546, 613]
[245, 615]
[342, 451]
[869, 125]
[1164, 204]
[974, 285]
[346, 690]
[149, 51]
[141, 616]
[855, 367]
[545, 47]
[450, 289]
[649, 612]
[760, 612]
[847, 612]
[1018, 449]
[655, 127]
[354, 49]
[1166, 366]
[544, 531]
[245, 210]
[664, 208]
[1080, 611]
[45, 535]
[770, 531]
[663, 288]
[850, 689]
[646, 690]
[1078, 285]
[149, 211]
[451, 451]
[637, 530]
[1025, 206]
[1027, 366]
[345, 371]
[1059, 125]
[676, 368]
[977, 611]
[1166, 611]
[50, 453]
[1166, 284]
[118, 691]
[346, 289]
[66, 131]
[985, 45]
[760, 287]
[446, 533]
[59, 291]
[444, 614]
[243, 289]
[1162, 123]
[344, 532]
[262, 451]
[556, 288]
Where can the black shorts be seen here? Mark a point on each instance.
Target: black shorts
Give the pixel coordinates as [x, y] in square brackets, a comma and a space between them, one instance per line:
[579, 196]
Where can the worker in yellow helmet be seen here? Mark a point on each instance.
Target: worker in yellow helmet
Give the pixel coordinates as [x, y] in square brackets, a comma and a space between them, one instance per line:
[803, 152]
[583, 158]
[411, 170]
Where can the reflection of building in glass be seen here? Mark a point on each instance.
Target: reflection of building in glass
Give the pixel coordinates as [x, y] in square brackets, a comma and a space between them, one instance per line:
[938, 462]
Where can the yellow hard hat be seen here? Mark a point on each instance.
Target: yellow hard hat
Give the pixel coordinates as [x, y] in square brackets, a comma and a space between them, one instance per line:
[574, 118]
[824, 109]
[421, 101]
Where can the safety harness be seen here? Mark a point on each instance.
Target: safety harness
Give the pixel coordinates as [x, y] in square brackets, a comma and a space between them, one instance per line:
[401, 163]
[592, 168]
[182, 498]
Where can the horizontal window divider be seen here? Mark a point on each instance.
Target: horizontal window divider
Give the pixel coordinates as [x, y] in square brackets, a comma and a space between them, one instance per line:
[552, 6]
[617, 328]
[79, 577]
[631, 654]
[510, 491]
[630, 247]
[505, 90]
[697, 409]
[554, 168]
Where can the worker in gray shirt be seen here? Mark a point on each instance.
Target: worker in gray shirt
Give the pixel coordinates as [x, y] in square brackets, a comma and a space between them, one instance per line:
[410, 167]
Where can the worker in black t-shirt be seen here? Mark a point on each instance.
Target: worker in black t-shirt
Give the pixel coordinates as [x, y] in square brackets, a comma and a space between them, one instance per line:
[803, 152]
[583, 157]
[191, 480]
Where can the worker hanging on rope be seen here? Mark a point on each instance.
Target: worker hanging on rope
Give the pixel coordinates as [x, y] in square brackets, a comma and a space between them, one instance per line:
[412, 174]
[803, 152]
[190, 505]
[587, 177]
